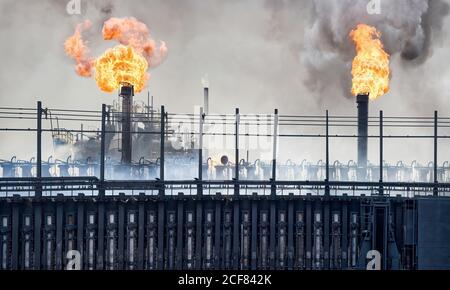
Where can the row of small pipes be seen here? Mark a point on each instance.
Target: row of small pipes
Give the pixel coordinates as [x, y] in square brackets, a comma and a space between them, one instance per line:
[258, 170]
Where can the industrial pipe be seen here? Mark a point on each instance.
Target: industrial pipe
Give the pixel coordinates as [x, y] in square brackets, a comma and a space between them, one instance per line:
[363, 132]
[126, 93]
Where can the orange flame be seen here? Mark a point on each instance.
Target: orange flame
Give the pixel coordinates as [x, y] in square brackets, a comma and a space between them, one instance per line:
[370, 67]
[127, 62]
[76, 48]
[129, 31]
[118, 65]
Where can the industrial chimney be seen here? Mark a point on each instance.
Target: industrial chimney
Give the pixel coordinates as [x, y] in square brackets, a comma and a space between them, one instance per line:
[126, 93]
[363, 132]
[206, 100]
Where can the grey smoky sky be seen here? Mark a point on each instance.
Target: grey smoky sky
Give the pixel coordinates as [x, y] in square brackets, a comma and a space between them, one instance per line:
[259, 55]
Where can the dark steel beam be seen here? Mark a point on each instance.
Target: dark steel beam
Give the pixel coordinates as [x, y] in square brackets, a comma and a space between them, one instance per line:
[127, 93]
[37, 235]
[180, 226]
[272, 237]
[381, 153]
[141, 236]
[121, 237]
[218, 236]
[102, 151]
[38, 192]
[290, 236]
[344, 236]
[15, 225]
[162, 149]
[161, 225]
[206, 99]
[101, 236]
[198, 236]
[274, 153]
[309, 223]
[59, 235]
[236, 152]
[363, 130]
[327, 155]
[326, 234]
[435, 170]
[80, 230]
[236, 236]
[63, 184]
[254, 235]
[200, 154]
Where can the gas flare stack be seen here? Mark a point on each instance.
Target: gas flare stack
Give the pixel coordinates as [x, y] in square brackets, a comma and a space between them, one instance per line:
[126, 93]
[363, 131]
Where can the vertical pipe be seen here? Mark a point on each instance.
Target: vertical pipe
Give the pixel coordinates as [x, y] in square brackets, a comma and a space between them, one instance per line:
[59, 236]
[200, 154]
[217, 235]
[148, 104]
[435, 168]
[39, 148]
[344, 235]
[236, 153]
[206, 100]
[327, 157]
[381, 153]
[127, 109]
[101, 205]
[161, 225]
[15, 237]
[381, 146]
[236, 236]
[254, 236]
[272, 238]
[309, 223]
[386, 236]
[121, 237]
[236, 145]
[102, 151]
[141, 236]
[327, 148]
[198, 236]
[180, 225]
[290, 232]
[363, 130]
[80, 231]
[326, 235]
[127, 93]
[274, 152]
[101, 235]
[151, 111]
[37, 236]
[161, 154]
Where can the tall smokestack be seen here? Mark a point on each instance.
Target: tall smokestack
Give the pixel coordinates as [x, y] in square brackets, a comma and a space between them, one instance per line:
[206, 100]
[126, 93]
[363, 132]
[205, 83]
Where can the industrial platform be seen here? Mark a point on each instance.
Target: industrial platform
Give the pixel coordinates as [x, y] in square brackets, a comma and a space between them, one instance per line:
[121, 208]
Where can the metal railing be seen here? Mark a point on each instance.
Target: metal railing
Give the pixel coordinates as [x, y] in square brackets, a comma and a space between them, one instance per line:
[336, 177]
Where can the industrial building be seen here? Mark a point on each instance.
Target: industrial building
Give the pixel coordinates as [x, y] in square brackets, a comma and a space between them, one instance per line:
[117, 202]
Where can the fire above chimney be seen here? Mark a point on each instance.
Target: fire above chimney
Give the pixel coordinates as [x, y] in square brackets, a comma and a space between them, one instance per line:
[126, 93]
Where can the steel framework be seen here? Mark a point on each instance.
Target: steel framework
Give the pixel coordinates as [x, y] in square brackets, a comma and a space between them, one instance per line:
[216, 224]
